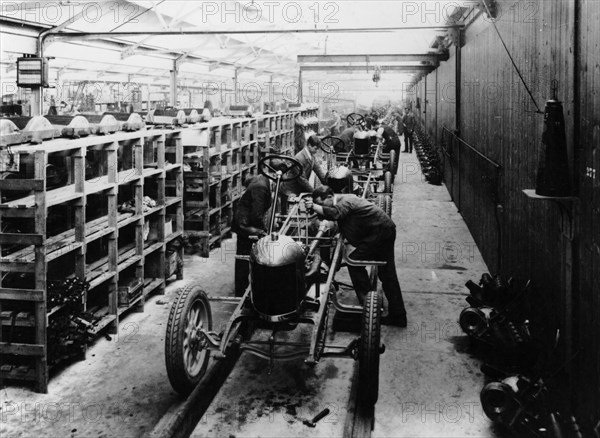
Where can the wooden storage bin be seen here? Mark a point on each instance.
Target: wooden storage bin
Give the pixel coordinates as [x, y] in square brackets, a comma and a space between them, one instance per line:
[129, 292]
[168, 230]
[173, 264]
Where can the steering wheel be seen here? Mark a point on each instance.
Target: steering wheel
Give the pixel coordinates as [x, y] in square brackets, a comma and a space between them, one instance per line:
[332, 145]
[355, 119]
[289, 167]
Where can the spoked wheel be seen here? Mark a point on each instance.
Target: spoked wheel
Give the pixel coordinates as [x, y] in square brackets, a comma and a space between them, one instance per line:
[355, 119]
[332, 145]
[186, 354]
[369, 350]
[271, 165]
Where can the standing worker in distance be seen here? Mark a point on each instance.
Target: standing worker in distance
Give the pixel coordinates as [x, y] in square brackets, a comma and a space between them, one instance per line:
[408, 123]
[337, 122]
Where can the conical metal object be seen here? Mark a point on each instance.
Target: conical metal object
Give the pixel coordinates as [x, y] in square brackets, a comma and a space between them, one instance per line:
[553, 172]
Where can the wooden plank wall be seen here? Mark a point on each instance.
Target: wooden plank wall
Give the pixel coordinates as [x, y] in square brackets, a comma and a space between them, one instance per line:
[419, 96]
[587, 298]
[446, 113]
[446, 107]
[499, 118]
[561, 256]
[430, 104]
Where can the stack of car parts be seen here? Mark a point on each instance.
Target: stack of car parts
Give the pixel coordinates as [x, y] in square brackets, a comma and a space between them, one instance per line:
[495, 320]
[39, 129]
[35, 130]
[522, 405]
[517, 396]
[428, 157]
[127, 122]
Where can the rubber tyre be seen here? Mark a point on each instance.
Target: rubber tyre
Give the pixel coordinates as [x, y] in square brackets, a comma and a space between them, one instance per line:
[380, 202]
[183, 376]
[369, 350]
[385, 203]
[393, 163]
[388, 182]
[373, 277]
[388, 205]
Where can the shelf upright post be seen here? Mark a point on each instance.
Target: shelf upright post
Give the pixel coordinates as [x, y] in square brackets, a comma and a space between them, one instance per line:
[205, 238]
[161, 201]
[160, 148]
[79, 181]
[216, 135]
[41, 362]
[253, 161]
[113, 250]
[179, 178]
[237, 137]
[267, 127]
[179, 193]
[40, 271]
[229, 135]
[139, 207]
[178, 149]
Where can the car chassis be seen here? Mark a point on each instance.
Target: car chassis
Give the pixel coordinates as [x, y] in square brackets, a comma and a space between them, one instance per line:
[190, 340]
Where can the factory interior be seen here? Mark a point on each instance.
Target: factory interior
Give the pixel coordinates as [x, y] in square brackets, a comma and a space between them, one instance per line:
[300, 219]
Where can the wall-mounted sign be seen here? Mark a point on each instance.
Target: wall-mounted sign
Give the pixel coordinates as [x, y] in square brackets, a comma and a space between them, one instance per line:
[31, 72]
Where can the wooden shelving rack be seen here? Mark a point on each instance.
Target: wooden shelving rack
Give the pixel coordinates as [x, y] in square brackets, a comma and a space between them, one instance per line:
[276, 133]
[218, 156]
[312, 112]
[79, 228]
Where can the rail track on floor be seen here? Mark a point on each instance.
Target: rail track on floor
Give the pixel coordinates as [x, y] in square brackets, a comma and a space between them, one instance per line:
[183, 421]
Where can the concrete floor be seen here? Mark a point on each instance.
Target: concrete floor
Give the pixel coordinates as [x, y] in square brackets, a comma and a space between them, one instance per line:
[429, 383]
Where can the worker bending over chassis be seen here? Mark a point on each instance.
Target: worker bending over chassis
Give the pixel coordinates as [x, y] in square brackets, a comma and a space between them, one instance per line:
[373, 233]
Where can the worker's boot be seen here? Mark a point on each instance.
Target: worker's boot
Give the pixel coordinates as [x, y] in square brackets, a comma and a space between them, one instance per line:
[395, 320]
